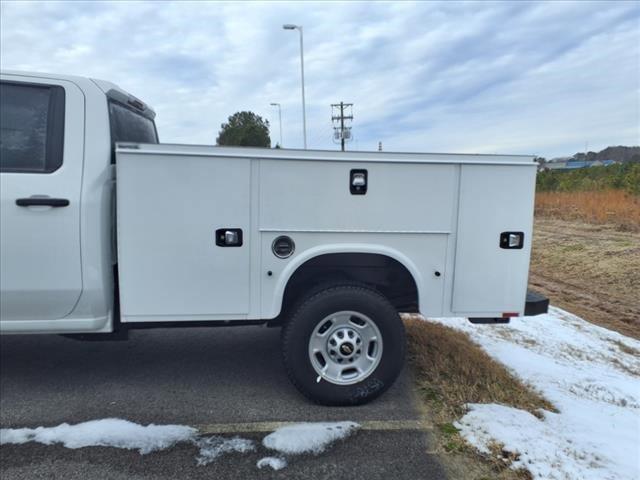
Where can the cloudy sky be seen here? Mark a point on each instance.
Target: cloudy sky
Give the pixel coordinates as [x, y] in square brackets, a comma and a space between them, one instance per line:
[509, 77]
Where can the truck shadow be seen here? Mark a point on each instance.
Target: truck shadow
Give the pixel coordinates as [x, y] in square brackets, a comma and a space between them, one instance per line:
[193, 376]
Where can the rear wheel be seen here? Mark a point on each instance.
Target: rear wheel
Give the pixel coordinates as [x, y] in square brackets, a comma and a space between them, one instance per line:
[344, 345]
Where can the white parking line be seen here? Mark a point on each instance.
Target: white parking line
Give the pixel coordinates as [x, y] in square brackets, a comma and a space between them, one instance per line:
[378, 425]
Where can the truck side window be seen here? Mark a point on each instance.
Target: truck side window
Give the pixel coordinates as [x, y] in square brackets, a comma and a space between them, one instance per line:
[31, 127]
[127, 125]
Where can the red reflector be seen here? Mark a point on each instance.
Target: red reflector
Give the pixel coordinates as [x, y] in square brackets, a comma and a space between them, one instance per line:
[509, 314]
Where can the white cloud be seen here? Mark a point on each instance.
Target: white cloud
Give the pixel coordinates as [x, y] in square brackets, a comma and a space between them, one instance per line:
[488, 77]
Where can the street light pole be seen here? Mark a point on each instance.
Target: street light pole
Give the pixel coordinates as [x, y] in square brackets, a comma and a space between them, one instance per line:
[289, 26]
[280, 119]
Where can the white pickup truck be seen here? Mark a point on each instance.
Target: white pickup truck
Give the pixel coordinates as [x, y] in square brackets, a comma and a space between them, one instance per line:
[104, 229]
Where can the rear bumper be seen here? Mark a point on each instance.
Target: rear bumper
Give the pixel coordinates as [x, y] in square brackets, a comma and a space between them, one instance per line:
[536, 304]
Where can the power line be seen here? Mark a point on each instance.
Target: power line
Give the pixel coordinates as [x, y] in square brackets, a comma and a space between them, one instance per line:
[340, 130]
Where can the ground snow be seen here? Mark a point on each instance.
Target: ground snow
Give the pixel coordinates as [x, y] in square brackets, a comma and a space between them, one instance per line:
[118, 433]
[276, 463]
[213, 447]
[108, 432]
[113, 432]
[591, 375]
[308, 437]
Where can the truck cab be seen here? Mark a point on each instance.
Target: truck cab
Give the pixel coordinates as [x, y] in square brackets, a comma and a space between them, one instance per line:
[57, 198]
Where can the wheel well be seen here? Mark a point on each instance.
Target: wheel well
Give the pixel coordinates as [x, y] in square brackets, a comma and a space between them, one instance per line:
[383, 273]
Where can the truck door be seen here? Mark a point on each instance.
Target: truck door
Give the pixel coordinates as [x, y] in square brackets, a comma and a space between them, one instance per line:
[41, 155]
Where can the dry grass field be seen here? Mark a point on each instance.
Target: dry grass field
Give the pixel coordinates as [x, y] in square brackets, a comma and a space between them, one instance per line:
[608, 207]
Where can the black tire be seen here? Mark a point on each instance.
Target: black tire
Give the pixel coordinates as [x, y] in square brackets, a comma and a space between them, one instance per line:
[310, 311]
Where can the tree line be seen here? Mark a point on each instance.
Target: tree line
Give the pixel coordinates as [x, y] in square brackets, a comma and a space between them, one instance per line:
[622, 176]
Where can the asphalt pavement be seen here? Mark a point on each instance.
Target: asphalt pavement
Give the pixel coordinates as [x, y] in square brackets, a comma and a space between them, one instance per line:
[224, 380]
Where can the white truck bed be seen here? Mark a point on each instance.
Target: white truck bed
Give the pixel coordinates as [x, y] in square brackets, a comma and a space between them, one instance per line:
[439, 215]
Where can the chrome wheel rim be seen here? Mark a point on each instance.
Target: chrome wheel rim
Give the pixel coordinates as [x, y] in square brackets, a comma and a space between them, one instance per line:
[345, 347]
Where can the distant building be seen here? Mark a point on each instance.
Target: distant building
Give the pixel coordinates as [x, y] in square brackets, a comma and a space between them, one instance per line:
[603, 163]
[572, 164]
[575, 164]
[556, 165]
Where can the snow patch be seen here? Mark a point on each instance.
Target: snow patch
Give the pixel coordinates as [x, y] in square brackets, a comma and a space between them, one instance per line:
[114, 432]
[593, 383]
[534, 444]
[108, 432]
[308, 437]
[213, 447]
[118, 433]
[276, 463]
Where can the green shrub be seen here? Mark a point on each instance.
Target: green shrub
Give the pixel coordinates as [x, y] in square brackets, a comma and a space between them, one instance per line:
[622, 176]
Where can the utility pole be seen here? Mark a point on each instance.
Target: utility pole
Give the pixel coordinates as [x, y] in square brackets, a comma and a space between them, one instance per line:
[341, 132]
